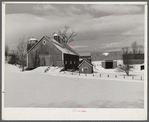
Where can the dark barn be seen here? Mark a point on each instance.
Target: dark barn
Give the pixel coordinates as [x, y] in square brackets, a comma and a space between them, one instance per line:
[51, 52]
[133, 58]
[85, 67]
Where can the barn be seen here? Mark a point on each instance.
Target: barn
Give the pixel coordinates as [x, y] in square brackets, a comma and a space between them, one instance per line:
[134, 60]
[51, 52]
[85, 67]
[108, 60]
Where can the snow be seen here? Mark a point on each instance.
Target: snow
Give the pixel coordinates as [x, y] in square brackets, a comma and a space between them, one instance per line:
[64, 90]
[99, 69]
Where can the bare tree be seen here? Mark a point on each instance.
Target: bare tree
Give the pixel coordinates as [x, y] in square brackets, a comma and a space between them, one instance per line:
[140, 49]
[134, 47]
[65, 36]
[21, 48]
[126, 68]
[125, 50]
[6, 51]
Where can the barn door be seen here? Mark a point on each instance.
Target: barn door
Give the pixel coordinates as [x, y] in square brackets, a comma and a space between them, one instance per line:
[48, 61]
[42, 61]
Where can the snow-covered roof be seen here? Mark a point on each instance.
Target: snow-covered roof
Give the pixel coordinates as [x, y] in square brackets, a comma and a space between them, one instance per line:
[85, 60]
[105, 54]
[64, 48]
[33, 39]
[98, 56]
[55, 34]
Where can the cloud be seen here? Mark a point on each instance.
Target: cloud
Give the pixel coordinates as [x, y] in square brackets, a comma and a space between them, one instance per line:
[107, 45]
[94, 33]
[116, 9]
[43, 7]
[79, 46]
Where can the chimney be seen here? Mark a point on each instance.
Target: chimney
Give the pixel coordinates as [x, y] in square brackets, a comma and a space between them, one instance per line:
[56, 37]
[32, 41]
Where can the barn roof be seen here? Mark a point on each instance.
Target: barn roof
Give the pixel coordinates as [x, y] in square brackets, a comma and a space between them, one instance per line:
[62, 47]
[98, 56]
[85, 60]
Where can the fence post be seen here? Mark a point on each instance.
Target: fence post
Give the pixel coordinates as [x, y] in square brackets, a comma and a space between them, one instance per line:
[132, 77]
[141, 77]
[124, 76]
[115, 76]
[85, 74]
[108, 75]
[100, 75]
[93, 74]
[79, 74]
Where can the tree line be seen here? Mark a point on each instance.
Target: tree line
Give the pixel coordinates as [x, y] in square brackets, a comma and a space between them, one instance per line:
[133, 49]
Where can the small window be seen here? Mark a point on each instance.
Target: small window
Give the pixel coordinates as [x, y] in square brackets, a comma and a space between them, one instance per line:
[84, 69]
[70, 62]
[65, 62]
[74, 62]
[142, 67]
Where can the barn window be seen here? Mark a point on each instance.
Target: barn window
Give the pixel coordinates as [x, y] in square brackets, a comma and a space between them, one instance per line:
[70, 62]
[74, 62]
[44, 42]
[65, 62]
[84, 69]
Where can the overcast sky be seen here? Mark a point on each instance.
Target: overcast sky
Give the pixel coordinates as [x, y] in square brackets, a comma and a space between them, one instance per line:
[100, 27]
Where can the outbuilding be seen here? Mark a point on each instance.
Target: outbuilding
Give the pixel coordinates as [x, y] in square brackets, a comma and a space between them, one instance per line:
[108, 60]
[85, 67]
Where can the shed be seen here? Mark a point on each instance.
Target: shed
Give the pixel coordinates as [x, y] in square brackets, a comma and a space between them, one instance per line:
[85, 67]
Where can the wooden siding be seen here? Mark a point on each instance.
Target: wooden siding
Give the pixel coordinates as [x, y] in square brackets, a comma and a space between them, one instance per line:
[41, 49]
[114, 64]
[89, 68]
[69, 58]
[103, 64]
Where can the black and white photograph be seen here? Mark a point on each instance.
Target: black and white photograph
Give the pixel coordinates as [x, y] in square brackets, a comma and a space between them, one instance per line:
[79, 56]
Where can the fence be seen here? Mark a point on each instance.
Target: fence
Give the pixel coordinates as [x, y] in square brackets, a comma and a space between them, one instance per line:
[112, 76]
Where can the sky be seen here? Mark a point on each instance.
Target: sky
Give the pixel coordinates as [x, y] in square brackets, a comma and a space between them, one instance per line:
[99, 27]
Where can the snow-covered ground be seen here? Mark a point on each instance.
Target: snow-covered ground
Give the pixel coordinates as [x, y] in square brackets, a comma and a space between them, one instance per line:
[63, 90]
[100, 69]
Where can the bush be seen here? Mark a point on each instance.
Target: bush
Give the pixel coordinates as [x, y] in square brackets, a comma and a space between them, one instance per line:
[13, 59]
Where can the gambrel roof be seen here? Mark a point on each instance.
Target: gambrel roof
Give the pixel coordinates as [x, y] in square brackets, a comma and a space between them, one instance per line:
[64, 48]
